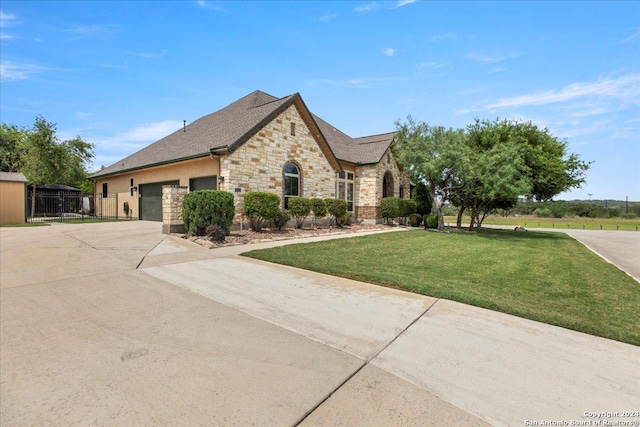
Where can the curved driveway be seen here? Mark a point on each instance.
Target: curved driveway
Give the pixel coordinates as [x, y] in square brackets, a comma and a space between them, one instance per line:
[117, 324]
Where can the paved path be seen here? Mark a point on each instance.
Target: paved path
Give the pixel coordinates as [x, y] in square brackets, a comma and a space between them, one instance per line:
[117, 324]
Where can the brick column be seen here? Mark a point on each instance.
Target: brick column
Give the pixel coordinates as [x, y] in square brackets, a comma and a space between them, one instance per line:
[172, 196]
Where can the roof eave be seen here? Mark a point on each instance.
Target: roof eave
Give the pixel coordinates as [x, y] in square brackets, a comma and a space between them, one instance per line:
[97, 175]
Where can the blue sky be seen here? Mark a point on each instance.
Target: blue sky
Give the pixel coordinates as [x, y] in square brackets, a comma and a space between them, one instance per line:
[124, 74]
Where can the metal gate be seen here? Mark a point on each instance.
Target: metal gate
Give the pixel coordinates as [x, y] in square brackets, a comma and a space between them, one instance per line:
[63, 206]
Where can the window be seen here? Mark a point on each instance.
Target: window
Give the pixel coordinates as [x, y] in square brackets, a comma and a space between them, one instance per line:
[402, 192]
[293, 129]
[104, 190]
[131, 187]
[345, 188]
[291, 183]
[203, 183]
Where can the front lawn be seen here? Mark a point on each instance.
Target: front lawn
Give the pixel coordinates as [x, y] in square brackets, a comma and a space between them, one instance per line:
[548, 277]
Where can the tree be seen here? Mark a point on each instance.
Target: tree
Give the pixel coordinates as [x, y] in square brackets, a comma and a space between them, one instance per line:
[11, 141]
[46, 160]
[424, 202]
[435, 155]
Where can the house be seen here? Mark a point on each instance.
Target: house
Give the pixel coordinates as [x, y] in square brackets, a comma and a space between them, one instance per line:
[260, 143]
[13, 196]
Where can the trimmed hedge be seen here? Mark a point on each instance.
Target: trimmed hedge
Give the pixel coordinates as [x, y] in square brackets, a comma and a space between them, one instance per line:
[407, 207]
[319, 209]
[299, 208]
[389, 208]
[202, 208]
[280, 219]
[415, 220]
[337, 208]
[430, 221]
[260, 208]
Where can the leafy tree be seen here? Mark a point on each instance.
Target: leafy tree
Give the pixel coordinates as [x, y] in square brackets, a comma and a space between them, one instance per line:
[435, 155]
[11, 147]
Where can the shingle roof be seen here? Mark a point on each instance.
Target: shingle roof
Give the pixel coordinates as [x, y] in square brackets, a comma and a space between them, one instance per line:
[12, 177]
[232, 125]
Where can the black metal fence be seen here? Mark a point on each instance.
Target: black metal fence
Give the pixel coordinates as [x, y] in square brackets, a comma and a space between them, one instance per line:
[60, 206]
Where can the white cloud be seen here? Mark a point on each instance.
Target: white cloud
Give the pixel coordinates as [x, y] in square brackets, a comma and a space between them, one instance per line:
[402, 3]
[389, 51]
[328, 17]
[374, 5]
[6, 20]
[625, 88]
[91, 32]
[443, 36]
[11, 71]
[491, 59]
[434, 65]
[630, 38]
[209, 5]
[367, 7]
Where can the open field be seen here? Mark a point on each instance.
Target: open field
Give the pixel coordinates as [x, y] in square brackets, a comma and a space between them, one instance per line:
[548, 277]
[560, 223]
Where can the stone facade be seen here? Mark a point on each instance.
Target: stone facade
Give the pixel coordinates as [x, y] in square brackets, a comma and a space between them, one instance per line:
[369, 187]
[172, 196]
[258, 164]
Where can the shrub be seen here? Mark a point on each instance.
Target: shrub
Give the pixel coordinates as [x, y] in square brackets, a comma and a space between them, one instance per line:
[628, 215]
[319, 208]
[422, 197]
[430, 221]
[344, 220]
[260, 208]
[280, 219]
[390, 208]
[299, 208]
[406, 207]
[543, 213]
[337, 208]
[202, 208]
[216, 233]
[415, 220]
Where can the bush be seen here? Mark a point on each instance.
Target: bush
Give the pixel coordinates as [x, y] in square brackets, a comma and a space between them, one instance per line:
[430, 221]
[415, 220]
[344, 220]
[407, 207]
[202, 208]
[319, 208]
[260, 208]
[543, 213]
[337, 208]
[280, 219]
[215, 233]
[299, 208]
[628, 215]
[390, 208]
[422, 197]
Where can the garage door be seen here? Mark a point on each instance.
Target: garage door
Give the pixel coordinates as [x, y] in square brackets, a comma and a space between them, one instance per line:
[151, 200]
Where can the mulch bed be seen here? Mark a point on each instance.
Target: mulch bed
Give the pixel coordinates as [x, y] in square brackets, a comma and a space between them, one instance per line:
[246, 237]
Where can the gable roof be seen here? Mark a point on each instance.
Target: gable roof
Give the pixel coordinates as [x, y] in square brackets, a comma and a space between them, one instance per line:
[12, 177]
[228, 128]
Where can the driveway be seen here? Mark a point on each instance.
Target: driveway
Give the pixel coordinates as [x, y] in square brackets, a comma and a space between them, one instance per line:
[117, 324]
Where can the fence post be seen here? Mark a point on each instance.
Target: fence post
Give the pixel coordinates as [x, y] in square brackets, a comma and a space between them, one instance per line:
[117, 206]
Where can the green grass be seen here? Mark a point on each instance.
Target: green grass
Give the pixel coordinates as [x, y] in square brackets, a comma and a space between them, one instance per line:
[559, 223]
[548, 277]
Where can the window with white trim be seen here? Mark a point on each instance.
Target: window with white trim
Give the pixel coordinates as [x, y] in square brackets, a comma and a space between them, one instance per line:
[345, 188]
[292, 187]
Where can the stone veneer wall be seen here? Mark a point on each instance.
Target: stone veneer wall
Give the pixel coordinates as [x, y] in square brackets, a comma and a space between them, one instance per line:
[257, 165]
[172, 196]
[369, 187]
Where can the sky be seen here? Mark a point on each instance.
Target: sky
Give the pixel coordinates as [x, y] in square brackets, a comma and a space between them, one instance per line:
[124, 74]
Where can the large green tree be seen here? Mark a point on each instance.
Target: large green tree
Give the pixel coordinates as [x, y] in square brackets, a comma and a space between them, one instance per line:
[11, 143]
[44, 159]
[435, 155]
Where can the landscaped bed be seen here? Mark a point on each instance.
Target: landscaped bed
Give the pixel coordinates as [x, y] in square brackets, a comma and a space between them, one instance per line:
[548, 277]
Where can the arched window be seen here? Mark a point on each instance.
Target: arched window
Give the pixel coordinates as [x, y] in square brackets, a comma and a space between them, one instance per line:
[387, 185]
[292, 187]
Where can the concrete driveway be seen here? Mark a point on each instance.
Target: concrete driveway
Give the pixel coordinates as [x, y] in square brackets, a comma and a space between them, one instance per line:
[117, 324]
